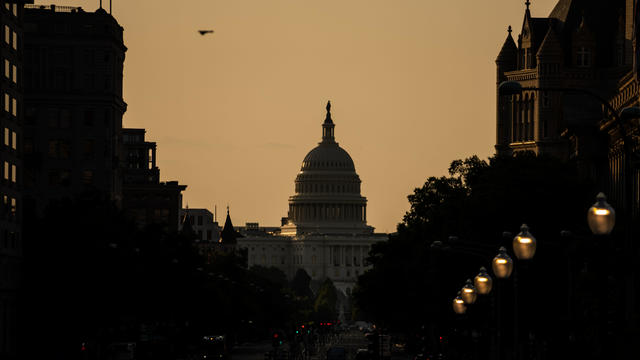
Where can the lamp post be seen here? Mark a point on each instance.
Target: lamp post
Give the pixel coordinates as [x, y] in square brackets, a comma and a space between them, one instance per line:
[515, 88]
[483, 282]
[601, 217]
[469, 293]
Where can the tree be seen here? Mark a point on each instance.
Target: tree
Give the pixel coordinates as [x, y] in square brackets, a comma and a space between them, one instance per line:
[326, 302]
[411, 283]
[300, 284]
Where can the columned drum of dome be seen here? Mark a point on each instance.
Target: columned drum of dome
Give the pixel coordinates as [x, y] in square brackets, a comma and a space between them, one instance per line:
[327, 191]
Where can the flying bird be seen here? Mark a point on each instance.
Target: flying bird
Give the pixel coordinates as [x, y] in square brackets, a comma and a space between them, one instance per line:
[203, 32]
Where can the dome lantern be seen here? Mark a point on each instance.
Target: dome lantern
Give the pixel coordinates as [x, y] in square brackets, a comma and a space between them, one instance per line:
[327, 126]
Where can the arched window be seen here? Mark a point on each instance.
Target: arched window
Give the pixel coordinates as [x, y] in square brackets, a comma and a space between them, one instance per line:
[532, 118]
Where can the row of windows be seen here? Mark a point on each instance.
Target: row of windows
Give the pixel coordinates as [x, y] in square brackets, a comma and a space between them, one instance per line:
[10, 104]
[348, 188]
[523, 120]
[10, 139]
[62, 177]
[10, 37]
[10, 71]
[63, 119]
[10, 172]
[61, 149]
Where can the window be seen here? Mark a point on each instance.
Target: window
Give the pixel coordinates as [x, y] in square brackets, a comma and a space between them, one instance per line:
[208, 234]
[14, 207]
[7, 69]
[15, 40]
[53, 149]
[6, 170]
[64, 150]
[87, 177]
[14, 107]
[7, 34]
[583, 57]
[14, 74]
[7, 102]
[7, 137]
[15, 9]
[14, 174]
[546, 100]
[200, 220]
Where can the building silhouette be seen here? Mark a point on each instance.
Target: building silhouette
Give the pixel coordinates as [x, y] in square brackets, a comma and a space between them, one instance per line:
[73, 104]
[325, 231]
[589, 45]
[203, 223]
[581, 44]
[146, 199]
[11, 119]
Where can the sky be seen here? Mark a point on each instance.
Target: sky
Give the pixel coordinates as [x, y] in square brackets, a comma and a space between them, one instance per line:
[412, 85]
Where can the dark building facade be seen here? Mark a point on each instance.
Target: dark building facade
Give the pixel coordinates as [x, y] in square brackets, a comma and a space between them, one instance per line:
[145, 198]
[73, 104]
[585, 53]
[11, 92]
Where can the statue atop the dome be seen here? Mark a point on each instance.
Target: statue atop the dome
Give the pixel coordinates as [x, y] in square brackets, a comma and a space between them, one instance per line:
[329, 106]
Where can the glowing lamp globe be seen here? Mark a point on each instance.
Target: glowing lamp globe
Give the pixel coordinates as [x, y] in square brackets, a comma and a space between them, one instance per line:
[483, 282]
[524, 244]
[459, 306]
[502, 264]
[601, 216]
[469, 293]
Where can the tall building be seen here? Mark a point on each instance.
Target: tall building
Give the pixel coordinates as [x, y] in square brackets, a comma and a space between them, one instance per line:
[326, 231]
[11, 120]
[145, 198]
[73, 103]
[581, 44]
[593, 46]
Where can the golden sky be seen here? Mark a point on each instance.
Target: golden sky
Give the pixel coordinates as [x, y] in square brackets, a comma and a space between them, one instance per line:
[411, 82]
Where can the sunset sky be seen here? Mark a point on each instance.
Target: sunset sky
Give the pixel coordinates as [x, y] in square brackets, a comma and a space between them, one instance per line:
[411, 82]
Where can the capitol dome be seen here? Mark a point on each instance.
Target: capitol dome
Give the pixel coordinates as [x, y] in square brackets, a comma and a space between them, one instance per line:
[327, 191]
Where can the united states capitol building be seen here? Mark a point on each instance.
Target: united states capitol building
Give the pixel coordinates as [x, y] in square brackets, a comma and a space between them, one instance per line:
[325, 231]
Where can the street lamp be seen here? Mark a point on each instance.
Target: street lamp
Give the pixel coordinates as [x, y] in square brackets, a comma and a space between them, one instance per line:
[524, 244]
[483, 282]
[469, 293]
[502, 264]
[601, 216]
[459, 306]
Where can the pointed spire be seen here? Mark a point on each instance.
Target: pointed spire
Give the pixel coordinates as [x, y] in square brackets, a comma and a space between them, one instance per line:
[228, 235]
[509, 51]
[527, 3]
[327, 127]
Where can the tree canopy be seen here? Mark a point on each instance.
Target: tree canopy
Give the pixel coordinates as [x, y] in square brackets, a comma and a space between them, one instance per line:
[418, 271]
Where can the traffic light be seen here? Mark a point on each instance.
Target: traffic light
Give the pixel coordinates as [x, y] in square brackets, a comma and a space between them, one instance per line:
[276, 340]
